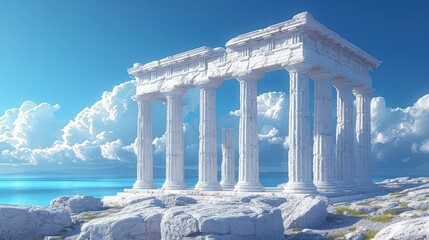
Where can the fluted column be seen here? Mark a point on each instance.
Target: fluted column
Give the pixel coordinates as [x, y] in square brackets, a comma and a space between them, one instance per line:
[207, 163]
[144, 145]
[228, 169]
[363, 139]
[300, 161]
[248, 174]
[175, 165]
[323, 145]
[345, 135]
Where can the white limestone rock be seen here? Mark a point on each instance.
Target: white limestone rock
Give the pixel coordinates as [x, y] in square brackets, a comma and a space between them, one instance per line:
[137, 221]
[399, 184]
[422, 189]
[354, 236]
[77, 204]
[129, 201]
[272, 201]
[363, 208]
[414, 229]
[172, 200]
[419, 204]
[222, 221]
[306, 236]
[413, 214]
[247, 199]
[30, 222]
[307, 212]
[387, 205]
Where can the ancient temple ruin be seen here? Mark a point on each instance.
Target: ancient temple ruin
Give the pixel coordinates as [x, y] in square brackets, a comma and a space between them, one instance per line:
[337, 161]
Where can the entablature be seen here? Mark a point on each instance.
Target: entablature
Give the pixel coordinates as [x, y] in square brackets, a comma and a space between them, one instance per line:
[299, 40]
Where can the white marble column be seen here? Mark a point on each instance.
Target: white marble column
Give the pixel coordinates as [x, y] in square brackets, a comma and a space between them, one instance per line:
[300, 160]
[207, 163]
[345, 135]
[228, 169]
[144, 145]
[363, 139]
[248, 174]
[323, 144]
[175, 165]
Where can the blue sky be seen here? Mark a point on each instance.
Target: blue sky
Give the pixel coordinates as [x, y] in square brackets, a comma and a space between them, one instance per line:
[57, 58]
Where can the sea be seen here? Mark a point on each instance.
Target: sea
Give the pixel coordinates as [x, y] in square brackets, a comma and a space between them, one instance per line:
[39, 189]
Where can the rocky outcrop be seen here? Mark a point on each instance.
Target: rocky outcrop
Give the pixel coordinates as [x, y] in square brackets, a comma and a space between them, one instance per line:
[141, 220]
[135, 215]
[25, 222]
[77, 204]
[304, 213]
[414, 229]
[401, 183]
[222, 221]
[172, 200]
[174, 216]
[306, 236]
[272, 201]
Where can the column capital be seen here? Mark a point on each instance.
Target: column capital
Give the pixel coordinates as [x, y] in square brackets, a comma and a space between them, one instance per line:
[175, 91]
[342, 82]
[144, 97]
[249, 76]
[363, 90]
[303, 68]
[210, 84]
[321, 74]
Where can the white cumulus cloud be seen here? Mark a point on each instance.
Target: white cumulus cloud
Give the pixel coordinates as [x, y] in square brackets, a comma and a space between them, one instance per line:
[31, 125]
[400, 133]
[272, 117]
[271, 135]
[31, 134]
[424, 146]
[272, 105]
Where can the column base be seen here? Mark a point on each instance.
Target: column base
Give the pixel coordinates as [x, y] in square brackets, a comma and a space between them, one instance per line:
[347, 187]
[227, 185]
[206, 186]
[300, 188]
[170, 185]
[249, 187]
[144, 185]
[328, 188]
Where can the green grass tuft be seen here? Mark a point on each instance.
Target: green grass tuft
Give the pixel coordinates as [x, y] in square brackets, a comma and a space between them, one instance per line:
[351, 229]
[398, 194]
[394, 211]
[55, 237]
[415, 216]
[336, 235]
[341, 210]
[381, 218]
[297, 229]
[422, 209]
[88, 216]
[115, 207]
[370, 234]
[404, 204]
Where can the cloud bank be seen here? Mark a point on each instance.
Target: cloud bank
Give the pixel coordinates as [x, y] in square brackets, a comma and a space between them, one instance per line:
[400, 136]
[31, 134]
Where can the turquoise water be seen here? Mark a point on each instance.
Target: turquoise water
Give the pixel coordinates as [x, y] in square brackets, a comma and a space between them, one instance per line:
[24, 190]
